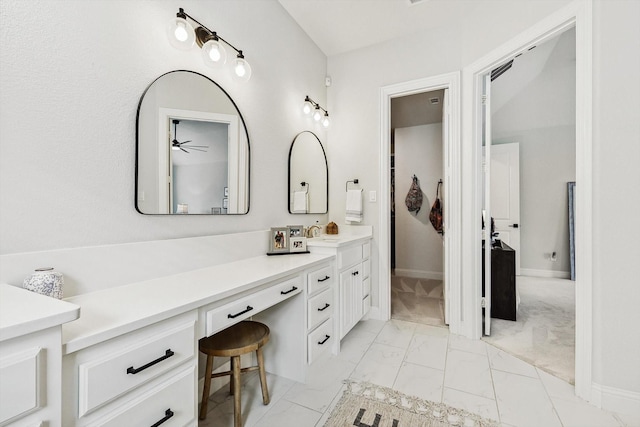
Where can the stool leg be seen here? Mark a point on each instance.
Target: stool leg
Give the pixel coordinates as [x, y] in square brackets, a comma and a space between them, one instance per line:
[237, 403]
[263, 377]
[231, 379]
[207, 387]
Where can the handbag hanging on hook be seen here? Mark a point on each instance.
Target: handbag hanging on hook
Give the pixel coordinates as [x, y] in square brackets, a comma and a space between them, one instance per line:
[414, 197]
[435, 215]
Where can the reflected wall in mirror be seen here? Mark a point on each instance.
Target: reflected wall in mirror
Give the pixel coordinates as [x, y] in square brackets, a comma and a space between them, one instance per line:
[192, 148]
[308, 175]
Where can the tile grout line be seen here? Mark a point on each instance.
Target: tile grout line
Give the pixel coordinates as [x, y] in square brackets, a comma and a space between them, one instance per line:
[493, 384]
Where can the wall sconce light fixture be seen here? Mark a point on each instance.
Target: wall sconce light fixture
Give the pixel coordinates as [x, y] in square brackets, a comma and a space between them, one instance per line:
[182, 36]
[311, 107]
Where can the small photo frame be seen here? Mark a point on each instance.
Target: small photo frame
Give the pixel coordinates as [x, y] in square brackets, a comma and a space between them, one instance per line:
[279, 239]
[298, 244]
[295, 231]
[225, 203]
[226, 191]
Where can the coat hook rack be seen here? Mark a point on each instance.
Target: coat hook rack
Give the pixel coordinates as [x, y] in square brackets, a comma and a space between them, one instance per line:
[346, 185]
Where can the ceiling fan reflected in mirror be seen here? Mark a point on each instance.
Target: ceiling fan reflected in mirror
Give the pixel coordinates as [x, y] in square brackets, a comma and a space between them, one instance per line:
[175, 145]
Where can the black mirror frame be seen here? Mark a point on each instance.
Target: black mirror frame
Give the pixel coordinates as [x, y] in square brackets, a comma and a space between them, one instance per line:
[326, 165]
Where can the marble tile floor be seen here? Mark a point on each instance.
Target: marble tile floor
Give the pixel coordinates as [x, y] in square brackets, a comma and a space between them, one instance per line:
[424, 361]
[544, 333]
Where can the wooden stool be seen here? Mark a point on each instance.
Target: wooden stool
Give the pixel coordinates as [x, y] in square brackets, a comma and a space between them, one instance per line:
[239, 339]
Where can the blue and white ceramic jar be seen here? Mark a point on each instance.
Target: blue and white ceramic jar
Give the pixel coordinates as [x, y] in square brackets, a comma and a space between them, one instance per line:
[45, 281]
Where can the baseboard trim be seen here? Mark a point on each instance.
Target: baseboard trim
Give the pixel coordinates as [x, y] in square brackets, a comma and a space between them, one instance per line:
[552, 274]
[418, 274]
[615, 399]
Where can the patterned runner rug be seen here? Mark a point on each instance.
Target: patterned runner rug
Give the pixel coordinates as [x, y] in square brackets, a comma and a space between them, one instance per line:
[369, 405]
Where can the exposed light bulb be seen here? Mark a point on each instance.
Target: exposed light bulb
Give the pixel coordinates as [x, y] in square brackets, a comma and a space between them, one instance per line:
[242, 69]
[180, 33]
[325, 120]
[214, 53]
[307, 108]
[317, 115]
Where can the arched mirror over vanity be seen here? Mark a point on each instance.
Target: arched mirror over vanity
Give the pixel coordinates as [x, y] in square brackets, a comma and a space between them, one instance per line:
[308, 175]
[192, 148]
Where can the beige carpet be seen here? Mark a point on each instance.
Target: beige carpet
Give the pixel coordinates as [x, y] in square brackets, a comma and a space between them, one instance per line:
[417, 300]
[545, 330]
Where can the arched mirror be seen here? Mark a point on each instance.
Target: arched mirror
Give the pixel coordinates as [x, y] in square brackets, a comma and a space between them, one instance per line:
[192, 148]
[308, 175]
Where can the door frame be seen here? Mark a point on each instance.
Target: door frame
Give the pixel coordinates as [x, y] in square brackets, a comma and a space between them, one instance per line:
[451, 198]
[578, 14]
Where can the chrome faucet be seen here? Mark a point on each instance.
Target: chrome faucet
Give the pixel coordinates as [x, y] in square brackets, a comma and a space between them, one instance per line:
[313, 231]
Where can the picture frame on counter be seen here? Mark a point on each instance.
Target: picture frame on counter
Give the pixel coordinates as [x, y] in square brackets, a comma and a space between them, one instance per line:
[279, 240]
[295, 231]
[298, 244]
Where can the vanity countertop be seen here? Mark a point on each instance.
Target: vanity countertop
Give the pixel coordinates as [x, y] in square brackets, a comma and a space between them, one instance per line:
[23, 312]
[115, 311]
[338, 240]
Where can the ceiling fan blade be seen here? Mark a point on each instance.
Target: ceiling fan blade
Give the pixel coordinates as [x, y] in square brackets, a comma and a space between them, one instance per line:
[199, 146]
[197, 149]
[183, 142]
[184, 150]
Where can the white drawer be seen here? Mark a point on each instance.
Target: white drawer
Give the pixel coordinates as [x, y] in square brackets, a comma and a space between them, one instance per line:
[319, 279]
[366, 287]
[20, 380]
[319, 308]
[366, 250]
[122, 364]
[366, 268]
[172, 400]
[222, 317]
[349, 256]
[366, 304]
[320, 340]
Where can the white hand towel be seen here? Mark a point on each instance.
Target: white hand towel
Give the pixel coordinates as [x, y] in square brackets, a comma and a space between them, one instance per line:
[300, 202]
[354, 205]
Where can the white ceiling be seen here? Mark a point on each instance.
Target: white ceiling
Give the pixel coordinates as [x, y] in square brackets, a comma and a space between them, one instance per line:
[338, 26]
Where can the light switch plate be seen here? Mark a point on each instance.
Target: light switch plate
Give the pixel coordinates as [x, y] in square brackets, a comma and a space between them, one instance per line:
[372, 196]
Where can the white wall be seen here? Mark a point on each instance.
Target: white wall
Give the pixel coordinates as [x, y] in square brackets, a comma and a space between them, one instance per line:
[355, 140]
[616, 132]
[72, 75]
[418, 151]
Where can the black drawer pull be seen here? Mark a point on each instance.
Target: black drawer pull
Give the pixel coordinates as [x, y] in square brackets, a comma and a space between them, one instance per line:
[289, 291]
[325, 278]
[326, 305]
[355, 273]
[233, 316]
[167, 414]
[167, 354]
[326, 337]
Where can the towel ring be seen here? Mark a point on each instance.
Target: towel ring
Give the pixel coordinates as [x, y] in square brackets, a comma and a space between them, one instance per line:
[346, 185]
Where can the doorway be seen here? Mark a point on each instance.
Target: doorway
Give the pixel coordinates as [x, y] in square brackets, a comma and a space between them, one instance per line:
[451, 211]
[417, 168]
[530, 134]
[578, 15]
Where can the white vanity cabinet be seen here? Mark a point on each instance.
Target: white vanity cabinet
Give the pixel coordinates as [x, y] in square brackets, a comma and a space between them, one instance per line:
[31, 357]
[353, 267]
[321, 302]
[147, 375]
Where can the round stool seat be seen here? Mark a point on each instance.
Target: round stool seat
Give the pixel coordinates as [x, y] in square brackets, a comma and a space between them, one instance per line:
[241, 338]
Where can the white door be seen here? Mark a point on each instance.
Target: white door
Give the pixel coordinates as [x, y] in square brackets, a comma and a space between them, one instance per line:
[505, 195]
[487, 214]
[445, 197]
